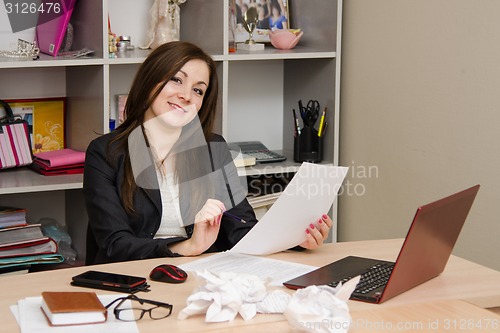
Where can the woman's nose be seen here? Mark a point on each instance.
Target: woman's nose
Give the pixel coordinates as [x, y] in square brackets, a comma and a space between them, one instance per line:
[184, 94]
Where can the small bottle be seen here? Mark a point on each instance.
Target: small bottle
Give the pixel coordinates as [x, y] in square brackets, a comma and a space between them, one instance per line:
[232, 26]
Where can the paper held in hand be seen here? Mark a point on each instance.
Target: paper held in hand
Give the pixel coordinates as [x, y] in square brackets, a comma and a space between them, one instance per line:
[73, 308]
[310, 194]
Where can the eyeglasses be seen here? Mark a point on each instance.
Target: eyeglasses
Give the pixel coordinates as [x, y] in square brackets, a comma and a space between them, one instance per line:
[135, 310]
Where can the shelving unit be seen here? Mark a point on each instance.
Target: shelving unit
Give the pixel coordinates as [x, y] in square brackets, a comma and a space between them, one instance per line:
[258, 90]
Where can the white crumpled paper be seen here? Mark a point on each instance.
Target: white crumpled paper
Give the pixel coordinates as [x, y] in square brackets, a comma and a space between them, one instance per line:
[321, 308]
[222, 296]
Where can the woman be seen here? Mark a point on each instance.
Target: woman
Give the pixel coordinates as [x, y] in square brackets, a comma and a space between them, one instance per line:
[277, 20]
[159, 184]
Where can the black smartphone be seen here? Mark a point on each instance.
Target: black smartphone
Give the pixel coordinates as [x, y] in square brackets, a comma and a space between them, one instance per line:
[110, 281]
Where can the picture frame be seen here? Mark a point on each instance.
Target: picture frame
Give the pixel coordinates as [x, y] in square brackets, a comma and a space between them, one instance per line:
[267, 20]
[46, 121]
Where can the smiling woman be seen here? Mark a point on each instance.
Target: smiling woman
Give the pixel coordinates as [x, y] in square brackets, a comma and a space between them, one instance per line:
[159, 184]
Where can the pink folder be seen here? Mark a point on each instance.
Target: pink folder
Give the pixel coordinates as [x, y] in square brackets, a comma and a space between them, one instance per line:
[61, 157]
[49, 35]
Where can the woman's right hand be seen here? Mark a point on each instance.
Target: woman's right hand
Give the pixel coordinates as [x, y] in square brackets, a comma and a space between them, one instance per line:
[210, 213]
[206, 229]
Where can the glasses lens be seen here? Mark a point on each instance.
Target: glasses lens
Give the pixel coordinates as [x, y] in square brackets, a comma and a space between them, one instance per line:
[160, 312]
[129, 314]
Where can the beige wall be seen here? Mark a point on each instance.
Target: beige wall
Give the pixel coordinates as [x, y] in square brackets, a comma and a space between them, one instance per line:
[420, 106]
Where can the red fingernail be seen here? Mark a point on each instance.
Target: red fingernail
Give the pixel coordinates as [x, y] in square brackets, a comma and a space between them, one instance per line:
[307, 231]
[325, 216]
[311, 226]
[320, 221]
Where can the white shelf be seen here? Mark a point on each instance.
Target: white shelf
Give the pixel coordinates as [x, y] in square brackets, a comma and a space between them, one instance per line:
[137, 56]
[47, 61]
[24, 180]
[274, 168]
[271, 53]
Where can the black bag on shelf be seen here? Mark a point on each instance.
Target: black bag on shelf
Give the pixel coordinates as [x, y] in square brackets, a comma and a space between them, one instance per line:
[15, 143]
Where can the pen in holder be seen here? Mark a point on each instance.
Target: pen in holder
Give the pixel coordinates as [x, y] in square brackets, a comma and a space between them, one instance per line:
[308, 146]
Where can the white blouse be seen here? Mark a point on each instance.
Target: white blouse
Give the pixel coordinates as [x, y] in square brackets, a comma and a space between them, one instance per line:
[171, 221]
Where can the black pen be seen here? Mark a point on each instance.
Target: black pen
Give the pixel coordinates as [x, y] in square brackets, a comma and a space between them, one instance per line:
[296, 121]
[234, 217]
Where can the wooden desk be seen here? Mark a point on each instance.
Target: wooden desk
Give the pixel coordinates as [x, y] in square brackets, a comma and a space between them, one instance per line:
[450, 316]
[461, 280]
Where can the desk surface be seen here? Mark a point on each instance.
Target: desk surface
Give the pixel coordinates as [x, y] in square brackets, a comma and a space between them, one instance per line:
[461, 280]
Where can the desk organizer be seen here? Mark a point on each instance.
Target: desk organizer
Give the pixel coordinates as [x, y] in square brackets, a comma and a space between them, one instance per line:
[308, 146]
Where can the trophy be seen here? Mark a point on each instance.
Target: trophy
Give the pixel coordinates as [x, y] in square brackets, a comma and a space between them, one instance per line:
[250, 20]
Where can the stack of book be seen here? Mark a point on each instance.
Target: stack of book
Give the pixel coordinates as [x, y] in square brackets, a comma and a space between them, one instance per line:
[26, 245]
[12, 217]
[57, 162]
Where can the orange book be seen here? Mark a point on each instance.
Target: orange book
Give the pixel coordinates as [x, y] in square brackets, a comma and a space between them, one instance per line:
[72, 308]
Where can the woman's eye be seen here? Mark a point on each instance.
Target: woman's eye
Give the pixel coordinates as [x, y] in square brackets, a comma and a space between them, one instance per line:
[199, 91]
[176, 79]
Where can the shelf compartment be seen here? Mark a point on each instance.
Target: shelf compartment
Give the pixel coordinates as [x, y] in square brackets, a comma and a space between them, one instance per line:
[24, 180]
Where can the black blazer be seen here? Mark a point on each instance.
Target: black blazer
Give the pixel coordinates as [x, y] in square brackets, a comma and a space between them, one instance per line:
[113, 235]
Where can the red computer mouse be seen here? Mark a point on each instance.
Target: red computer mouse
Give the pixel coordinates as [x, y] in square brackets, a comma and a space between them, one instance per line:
[168, 273]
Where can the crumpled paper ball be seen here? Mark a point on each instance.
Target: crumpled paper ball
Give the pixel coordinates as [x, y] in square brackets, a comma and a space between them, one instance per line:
[222, 296]
[321, 309]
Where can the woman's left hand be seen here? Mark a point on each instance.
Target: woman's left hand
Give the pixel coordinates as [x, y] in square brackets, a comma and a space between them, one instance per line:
[317, 233]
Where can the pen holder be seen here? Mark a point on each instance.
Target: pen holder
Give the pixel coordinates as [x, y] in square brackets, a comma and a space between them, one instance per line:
[308, 146]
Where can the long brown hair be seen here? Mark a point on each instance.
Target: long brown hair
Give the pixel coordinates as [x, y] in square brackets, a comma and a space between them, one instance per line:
[158, 68]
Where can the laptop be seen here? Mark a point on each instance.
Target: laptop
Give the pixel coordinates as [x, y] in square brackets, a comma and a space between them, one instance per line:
[423, 256]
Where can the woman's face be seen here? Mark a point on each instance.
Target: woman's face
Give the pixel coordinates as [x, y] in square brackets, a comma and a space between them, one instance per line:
[182, 97]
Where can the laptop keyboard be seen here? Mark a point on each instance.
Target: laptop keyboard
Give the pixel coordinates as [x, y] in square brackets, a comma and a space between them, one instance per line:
[375, 277]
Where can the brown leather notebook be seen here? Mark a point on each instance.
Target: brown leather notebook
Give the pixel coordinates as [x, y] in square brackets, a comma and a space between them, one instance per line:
[72, 308]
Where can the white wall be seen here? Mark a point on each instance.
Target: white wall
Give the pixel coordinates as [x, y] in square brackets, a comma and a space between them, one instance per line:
[420, 106]
[8, 40]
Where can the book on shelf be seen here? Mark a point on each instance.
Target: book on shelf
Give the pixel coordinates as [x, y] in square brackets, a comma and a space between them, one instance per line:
[16, 270]
[48, 246]
[264, 190]
[27, 245]
[72, 308]
[12, 217]
[263, 200]
[244, 160]
[29, 234]
[53, 171]
[61, 157]
[54, 258]
[57, 162]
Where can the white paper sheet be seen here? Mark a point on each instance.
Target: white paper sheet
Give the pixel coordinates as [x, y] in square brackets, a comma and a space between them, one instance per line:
[310, 193]
[276, 271]
[31, 319]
